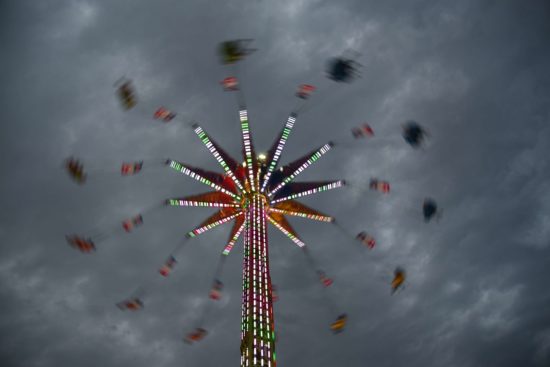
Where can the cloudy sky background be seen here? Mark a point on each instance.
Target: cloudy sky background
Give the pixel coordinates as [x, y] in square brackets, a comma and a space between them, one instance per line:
[475, 74]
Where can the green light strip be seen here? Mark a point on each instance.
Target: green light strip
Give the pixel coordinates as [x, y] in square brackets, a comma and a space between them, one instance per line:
[282, 141]
[314, 157]
[327, 187]
[245, 128]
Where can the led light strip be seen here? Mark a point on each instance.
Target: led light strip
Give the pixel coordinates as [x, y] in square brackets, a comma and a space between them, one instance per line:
[207, 227]
[244, 301]
[284, 137]
[294, 239]
[322, 218]
[256, 270]
[252, 269]
[268, 323]
[186, 171]
[179, 202]
[330, 186]
[257, 336]
[231, 242]
[245, 128]
[315, 156]
[206, 141]
[245, 313]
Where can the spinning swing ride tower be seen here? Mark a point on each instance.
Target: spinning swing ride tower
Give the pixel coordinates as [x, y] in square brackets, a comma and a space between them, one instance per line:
[254, 193]
[257, 322]
[260, 204]
[251, 194]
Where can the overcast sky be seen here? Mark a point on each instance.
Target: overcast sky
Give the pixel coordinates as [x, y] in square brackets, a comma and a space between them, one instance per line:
[474, 73]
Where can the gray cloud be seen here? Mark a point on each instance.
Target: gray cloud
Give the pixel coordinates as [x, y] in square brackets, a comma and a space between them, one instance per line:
[474, 74]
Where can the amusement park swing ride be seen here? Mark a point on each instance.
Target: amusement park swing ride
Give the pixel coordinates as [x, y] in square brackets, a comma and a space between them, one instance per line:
[252, 192]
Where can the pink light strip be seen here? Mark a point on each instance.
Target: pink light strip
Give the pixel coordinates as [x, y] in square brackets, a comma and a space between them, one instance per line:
[231, 243]
[179, 202]
[207, 227]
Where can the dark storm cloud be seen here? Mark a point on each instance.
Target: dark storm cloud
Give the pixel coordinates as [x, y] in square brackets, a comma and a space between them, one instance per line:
[475, 74]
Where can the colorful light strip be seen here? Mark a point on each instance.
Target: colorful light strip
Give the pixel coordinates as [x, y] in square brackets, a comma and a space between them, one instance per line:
[327, 187]
[186, 171]
[179, 202]
[212, 148]
[294, 239]
[245, 128]
[232, 241]
[267, 321]
[244, 300]
[282, 140]
[207, 227]
[257, 326]
[314, 157]
[322, 218]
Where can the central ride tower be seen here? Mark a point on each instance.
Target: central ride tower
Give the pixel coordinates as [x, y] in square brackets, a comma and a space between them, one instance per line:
[257, 323]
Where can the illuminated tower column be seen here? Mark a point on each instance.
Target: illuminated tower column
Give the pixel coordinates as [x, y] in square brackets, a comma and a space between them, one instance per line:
[257, 324]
